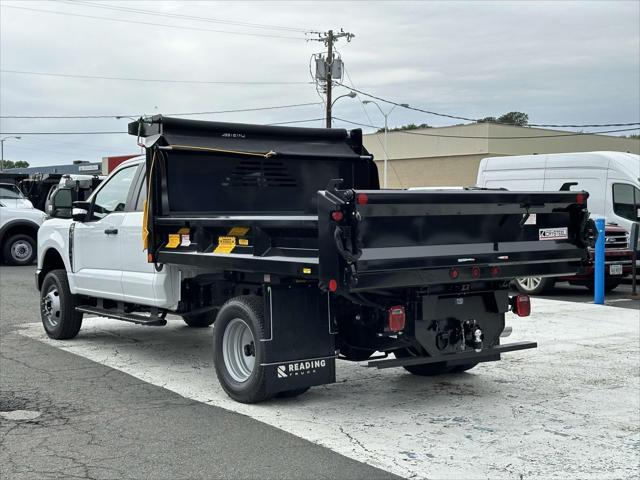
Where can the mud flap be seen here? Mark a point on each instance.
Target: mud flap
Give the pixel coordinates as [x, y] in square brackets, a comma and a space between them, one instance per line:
[300, 339]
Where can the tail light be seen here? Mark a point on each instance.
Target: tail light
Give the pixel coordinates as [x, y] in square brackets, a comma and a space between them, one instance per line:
[396, 318]
[475, 272]
[337, 216]
[495, 271]
[521, 305]
[454, 273]
[362, 199]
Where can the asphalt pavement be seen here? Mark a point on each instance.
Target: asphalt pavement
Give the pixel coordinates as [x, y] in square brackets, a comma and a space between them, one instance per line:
[123, 401]
[94, 422]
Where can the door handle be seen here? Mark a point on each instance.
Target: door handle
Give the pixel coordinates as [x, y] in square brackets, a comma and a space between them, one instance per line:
[111, 231]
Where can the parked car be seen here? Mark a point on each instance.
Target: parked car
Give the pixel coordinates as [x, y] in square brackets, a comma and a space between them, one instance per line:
[19, 224]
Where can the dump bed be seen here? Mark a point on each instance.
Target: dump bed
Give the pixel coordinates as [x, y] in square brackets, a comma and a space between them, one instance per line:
[305, 204]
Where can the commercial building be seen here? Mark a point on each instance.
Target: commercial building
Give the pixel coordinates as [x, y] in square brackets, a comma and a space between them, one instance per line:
[449, 156]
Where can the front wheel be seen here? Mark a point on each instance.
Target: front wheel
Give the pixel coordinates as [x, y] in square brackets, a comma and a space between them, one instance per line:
[534, 285]
[19, 250]
[58, 307]
[238, 351]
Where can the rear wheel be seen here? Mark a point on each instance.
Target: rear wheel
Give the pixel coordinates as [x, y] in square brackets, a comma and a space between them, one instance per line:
[19, 250]
[58, 307]
[238, 351]
[428, 370]
[534, 285]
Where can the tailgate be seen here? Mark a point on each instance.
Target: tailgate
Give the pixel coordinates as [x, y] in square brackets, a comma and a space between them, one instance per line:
[389, 238]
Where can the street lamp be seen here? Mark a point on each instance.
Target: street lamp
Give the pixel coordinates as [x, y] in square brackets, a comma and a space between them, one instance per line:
[350, 95]
[2, 140]
[386, 129]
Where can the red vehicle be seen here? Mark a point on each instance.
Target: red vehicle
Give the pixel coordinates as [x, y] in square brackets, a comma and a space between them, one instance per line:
[618, 259]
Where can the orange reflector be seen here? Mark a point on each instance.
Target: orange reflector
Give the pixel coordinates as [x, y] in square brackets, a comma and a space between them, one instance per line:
[150, 257]
[580, 199]
[396, 318]
[333, 285]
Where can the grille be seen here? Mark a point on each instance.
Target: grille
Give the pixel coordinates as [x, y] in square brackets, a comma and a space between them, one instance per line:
[260, 173]
[616, 240]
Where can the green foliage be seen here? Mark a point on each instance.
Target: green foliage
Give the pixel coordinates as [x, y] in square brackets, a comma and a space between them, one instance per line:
[409, 126]
[519, 119]
[17, 164]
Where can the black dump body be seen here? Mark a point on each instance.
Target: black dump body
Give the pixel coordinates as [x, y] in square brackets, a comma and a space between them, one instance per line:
[299, 213]
[279, 186]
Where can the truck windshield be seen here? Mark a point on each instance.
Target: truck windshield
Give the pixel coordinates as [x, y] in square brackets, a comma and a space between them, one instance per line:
[10, 191]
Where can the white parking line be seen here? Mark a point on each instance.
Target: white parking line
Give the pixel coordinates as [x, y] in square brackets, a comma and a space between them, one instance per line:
[568, 409]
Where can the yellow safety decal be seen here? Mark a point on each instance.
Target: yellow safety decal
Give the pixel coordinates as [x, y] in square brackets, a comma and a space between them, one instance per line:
[174, 240]
[238, 231]
[225, 245]
[306, 270]
[243, 241]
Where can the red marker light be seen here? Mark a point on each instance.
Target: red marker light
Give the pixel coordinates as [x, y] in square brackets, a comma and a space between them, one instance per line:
[522, 306]
[337, 215]
[580, 199]
[362, 199]
[454, 273]
[475, 272]
[396, 318]
[495, 271]
[333, 285]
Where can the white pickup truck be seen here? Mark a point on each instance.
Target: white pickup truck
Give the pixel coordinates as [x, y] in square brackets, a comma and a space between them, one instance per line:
[103, 259]
[19, 223]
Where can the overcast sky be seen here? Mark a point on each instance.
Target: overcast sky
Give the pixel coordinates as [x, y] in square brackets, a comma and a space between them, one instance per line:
[561, 62]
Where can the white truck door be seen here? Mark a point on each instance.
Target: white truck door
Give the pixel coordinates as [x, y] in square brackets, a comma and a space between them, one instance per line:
[97, 261]
[141, 283]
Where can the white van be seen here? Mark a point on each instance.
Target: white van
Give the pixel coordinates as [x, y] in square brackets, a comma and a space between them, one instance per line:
[611, 178]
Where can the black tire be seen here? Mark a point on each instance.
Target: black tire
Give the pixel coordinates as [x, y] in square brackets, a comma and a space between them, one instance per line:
[200, 320]
[19, 250]
[249, 310]
[355, 354]
[463, 368]
[58, 307]
[529, 285]
[428, 370]
[292, 393]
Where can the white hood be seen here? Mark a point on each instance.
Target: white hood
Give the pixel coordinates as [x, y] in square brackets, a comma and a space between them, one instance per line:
[16, 203]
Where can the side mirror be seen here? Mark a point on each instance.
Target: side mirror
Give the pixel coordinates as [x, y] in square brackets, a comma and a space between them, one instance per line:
[60, 205]
[81, 210]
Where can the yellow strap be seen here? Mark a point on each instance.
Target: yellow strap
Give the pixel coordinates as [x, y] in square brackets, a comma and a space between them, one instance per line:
[222, 150]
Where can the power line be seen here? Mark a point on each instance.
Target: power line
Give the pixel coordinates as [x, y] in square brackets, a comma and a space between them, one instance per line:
[479, 120]
[297, 121]
[187, 17]
[139, 22]
[254, 109]
[409, 132]
[156, 80]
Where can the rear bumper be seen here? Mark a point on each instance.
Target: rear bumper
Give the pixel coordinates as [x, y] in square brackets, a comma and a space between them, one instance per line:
[454, 359]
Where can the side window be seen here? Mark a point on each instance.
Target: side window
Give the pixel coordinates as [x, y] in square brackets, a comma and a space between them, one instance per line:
[142, 195]
[112, 197]
[626, 201]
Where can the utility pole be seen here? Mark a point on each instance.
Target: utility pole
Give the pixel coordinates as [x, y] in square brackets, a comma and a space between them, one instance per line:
[329, 64]
[328, 38]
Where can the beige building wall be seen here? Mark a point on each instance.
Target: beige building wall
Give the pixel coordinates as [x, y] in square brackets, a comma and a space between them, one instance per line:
[450, 156]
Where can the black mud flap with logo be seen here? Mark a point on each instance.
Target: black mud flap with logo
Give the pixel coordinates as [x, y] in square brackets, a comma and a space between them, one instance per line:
[299, 338]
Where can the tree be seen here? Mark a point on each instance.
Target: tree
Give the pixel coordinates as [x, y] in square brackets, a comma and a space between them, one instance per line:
[409, 126]
[11, 164]
[514, 118]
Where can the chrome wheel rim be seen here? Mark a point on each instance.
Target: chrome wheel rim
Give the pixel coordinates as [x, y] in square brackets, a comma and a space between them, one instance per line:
[21, 250]
[238, 350]
[529, 283]
[50, 305]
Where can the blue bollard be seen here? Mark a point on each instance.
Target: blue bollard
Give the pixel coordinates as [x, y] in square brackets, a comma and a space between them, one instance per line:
[598, 280]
